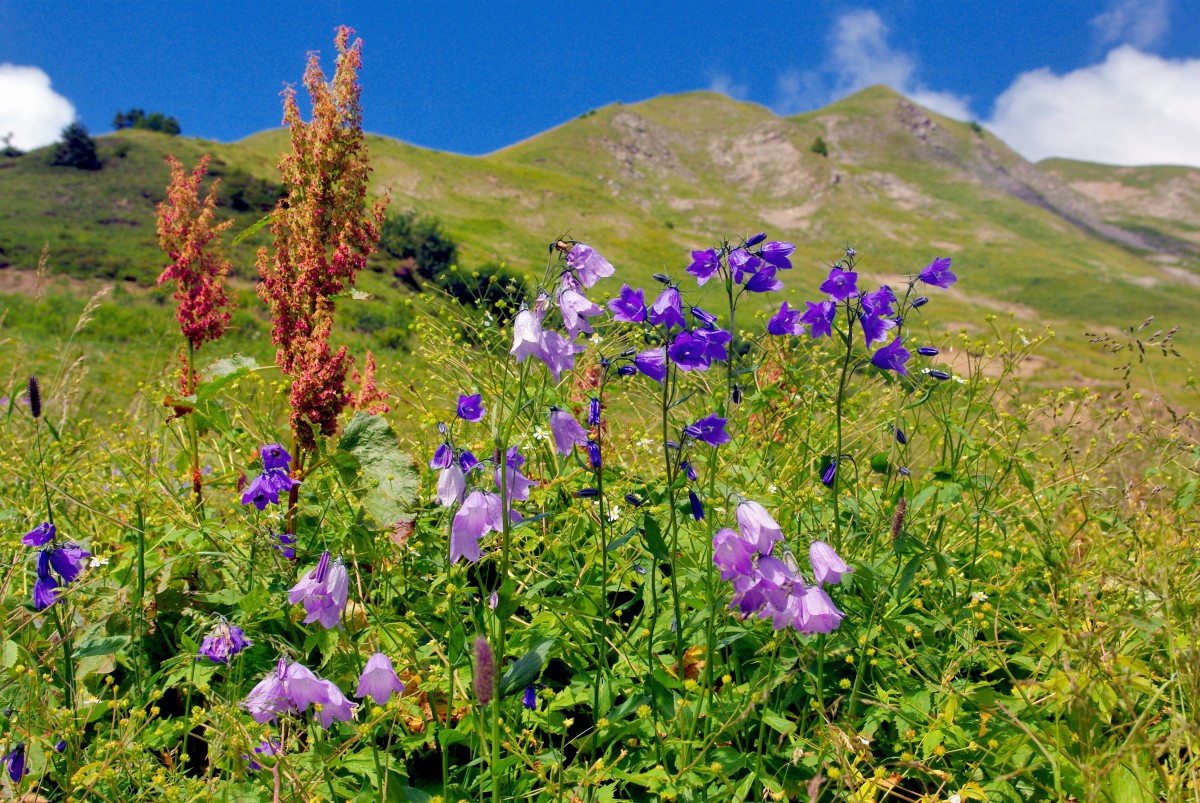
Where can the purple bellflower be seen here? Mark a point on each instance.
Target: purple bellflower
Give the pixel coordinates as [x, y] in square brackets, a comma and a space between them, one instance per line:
[785, 322]
[223, 642]
[379, 680]
[652, 363]
[630, 306]
[704, 265]
[757, 526]
[880, 302]
[323, 592]
[593, 450]
[265, 489]
[706, 318]
[937, 273]
[742, 262]
[480, 514]
[710, 430]
[667, 310]
[764, 281]
[286, 545]
[576, 309]
[732, 555]
[827, 565]
[266, 747]
[892, 357]
[696, 504]
[529, 698]
[829, 475]
[819, 317]
[589, 266]
[39, 535]
[566, 431]
[841, 284]
[470, 408]
[777, 252]
[443, 457]
[593, 416]
[875, 328]
[467, 461]
[274, 456]
[451, 486]
[15, 761]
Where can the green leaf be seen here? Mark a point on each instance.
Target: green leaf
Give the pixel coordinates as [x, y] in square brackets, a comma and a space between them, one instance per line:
[622, 541]
[225, 372]
[388, 479]
[654, 540]
[101, 646]
[526, 669]
[254, 228]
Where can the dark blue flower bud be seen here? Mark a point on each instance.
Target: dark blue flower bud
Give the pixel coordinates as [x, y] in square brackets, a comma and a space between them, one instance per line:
[697, 506]
[673, 445]
[442, 428]
[904, 470]
[61, 746]
[593, 450]
[633, 500]
[829, 476]
[737, 394]
[690, 469]
[941, 376]
[586, 493]
[604, 361]
[628, 352]
[593, 418]
[640, 569]
[901, 438]
[920, 301]
[927, 351]
[662, 278]
[706, 318]
[756, 239]
[626, 370]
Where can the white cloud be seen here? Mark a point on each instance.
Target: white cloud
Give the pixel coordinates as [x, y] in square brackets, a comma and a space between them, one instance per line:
[797, 91]
[1140, 23]
[1132, 108]
[862, 57]
[725, 85]
[29, 109]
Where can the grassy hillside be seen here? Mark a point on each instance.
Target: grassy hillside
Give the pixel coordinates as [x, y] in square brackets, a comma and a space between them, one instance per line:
[1075, 246]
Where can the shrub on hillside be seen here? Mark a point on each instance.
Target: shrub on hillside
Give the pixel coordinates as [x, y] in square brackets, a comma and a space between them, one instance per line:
[420, 243]
[155, 121]
[76, 149]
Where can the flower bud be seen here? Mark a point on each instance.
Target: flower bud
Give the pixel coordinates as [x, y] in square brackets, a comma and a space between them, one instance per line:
[941, 376]
[920, 301]
[662, 278]
[927, 351]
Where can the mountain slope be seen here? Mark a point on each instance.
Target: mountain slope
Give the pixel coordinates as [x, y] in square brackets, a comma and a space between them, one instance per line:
[1078, 246]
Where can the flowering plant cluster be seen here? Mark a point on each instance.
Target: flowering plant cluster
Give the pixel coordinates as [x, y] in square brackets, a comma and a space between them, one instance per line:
[59, 563]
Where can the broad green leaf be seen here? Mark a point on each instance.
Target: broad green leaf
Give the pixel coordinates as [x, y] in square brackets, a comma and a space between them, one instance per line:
[388, 480]
[101, 646]
[526, 669]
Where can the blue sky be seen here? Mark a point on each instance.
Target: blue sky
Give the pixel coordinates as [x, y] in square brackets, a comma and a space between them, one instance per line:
[473, 77]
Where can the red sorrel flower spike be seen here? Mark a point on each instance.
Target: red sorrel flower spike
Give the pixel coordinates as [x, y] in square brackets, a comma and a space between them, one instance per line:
[192, 242]
[323, 232]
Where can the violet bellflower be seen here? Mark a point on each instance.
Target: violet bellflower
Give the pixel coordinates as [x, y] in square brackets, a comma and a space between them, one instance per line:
[892, 357]
[529, 698]
[764, 281]
[710, 430]
[875, 328]
[937, 273]
[467, 461]
[732, 555]
[266, 747]
[819, 318]
[265, 489]
[40, 534]
[715, 341]
[67, 561]
[777, 252]
[290, 689]
[594, 457]
[480, 514]
[286, 545]
[827, 565]
[470, 408]
[336, 706]
[704, 265]
[589, 266]
[689, 352]
[704, 317]
[667, 310]
[558, 353]
[379, 680]
[223, 642]
[742, 262]
[323, 592]
[818, 613]
[516, 483]
[629, 306]
[879, 302]
[443, 457]
[829, 474]
[566, 431]
[696, 505]
[841, 284]
[527, 335]
[758, 526]
[15, 762]
[45, 588]
[576, 309]
[652, 363]
[451, 486]
[785, 322]
[274, 456]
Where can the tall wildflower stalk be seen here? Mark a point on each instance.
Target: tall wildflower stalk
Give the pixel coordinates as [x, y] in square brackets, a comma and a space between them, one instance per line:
[323, 232]
[186, 232]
